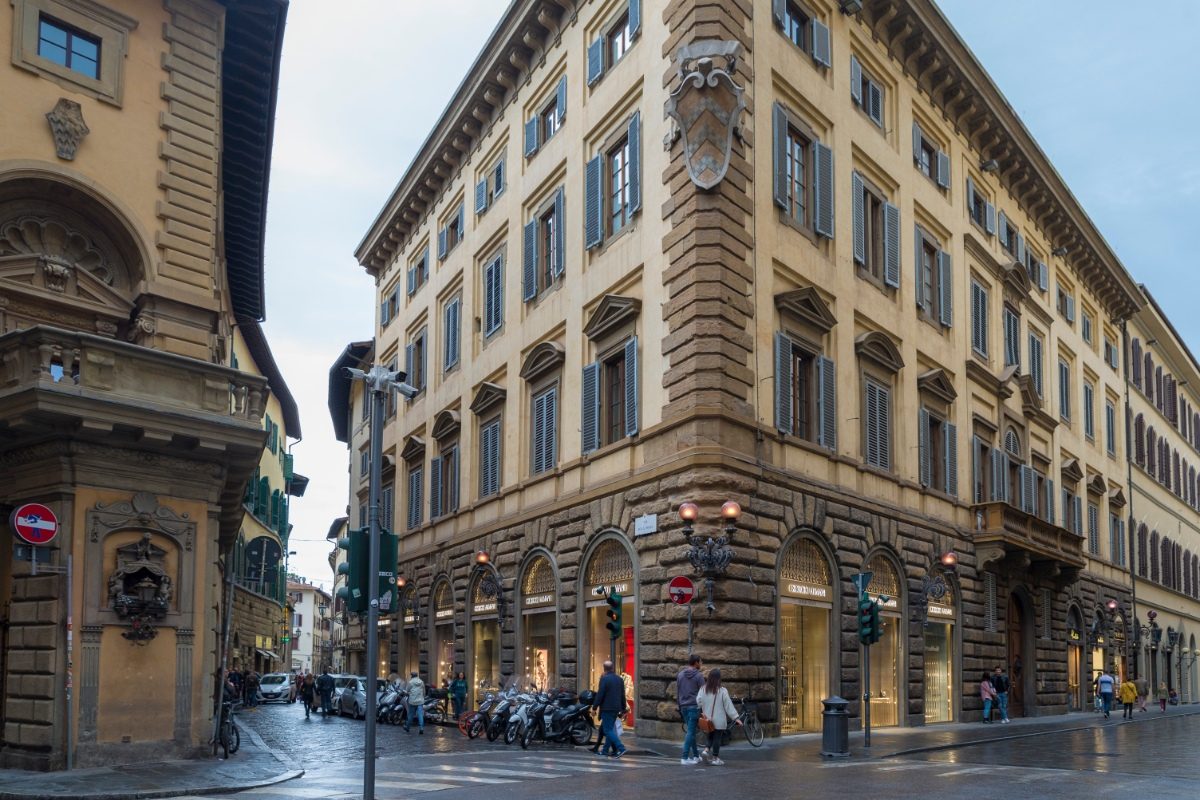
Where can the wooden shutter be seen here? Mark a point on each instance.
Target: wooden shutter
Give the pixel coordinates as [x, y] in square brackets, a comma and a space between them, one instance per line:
[943, 170]
[823, 200]
[383, 313]
[1094, 530]
[498, 179]
[923, 447]
[595, 60]
[1028, 489]
[977, 447]
[408, 362]
[412, 279]
[891, 245]
[635, 17]
[530, 262]
[919, 265]
[435, 488]
[424, 264]
[859, 217]
[451, 491]
[950, 458]
[559, 263]
[779, 126]
[442, 243]
[593, 191]
[945, 288]
[916, 143]
[777, 11]
[1003, 231]
[820, 43]
[551, 428]
[999, 475]
[635, 162]
[1078, 521]
[590, 410]
[1043, 275]
[539, 433]
[990, 218]
[783, 383]
[856, 81]
[826, 403]
[1020, 248]
[631, 387]
[424, 339]
[561, 99]
[883, 426]
[875, 102]
[531, 135]
[971, 196]
[1050, 501]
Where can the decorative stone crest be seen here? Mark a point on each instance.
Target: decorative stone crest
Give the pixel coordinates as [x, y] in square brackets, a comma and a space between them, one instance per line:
[142, 511]
[68, 128]
[705, 108]
[60, 246]
[140, 589]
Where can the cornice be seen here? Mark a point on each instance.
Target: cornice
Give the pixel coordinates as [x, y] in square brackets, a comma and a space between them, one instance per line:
[923, 42]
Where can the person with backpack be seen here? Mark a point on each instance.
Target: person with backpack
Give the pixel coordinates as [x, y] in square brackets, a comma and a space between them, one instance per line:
[1001, 685]
[717, 711]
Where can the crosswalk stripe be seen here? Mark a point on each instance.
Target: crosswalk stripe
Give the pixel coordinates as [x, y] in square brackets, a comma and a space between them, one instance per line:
[967, 771]
[436, 777]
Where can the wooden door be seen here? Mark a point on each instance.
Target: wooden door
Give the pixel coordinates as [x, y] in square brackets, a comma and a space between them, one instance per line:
[1016, 658]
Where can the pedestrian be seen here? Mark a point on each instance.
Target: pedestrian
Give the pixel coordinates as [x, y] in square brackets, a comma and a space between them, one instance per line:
[416, 704]
[458, 693]
[1104, 686]
[235, 678]
[1128, 695]
[988, 693]
[1000, 684]
[718, 709]
[610, 700]
[324, 686]
[1097, 704]
[688, 684]
[252, 684]
[307, 693]
[1143, 692]
[1162, 696]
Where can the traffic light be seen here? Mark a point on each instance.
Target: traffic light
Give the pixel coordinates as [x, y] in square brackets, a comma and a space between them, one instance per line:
[876, 622]
[614, 616]
[389, 552]
[355, 568]
[867, 615]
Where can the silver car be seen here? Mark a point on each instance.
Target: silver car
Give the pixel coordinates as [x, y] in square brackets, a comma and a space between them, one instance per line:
[353, 699]
[275, 687]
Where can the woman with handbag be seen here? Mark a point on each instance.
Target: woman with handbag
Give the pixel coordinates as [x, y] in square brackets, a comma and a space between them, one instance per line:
[716, 712]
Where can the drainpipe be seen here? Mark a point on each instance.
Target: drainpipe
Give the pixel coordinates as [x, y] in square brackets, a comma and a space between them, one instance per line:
[1129, 483]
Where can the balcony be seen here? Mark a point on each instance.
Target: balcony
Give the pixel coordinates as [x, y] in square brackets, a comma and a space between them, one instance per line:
[1008, 539]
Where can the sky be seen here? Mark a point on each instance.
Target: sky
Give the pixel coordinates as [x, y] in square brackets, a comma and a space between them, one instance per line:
[1104, 91]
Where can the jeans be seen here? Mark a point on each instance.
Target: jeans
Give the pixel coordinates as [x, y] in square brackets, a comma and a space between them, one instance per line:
[326, 702]
[987, 709]
[1106, 702]
[1002, 704]
[415, 711]
[715, 737]
[1128, 711]
[691, 714]
[612, 742]
[459, 701]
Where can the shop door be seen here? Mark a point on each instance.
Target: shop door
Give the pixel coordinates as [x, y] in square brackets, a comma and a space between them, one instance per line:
[1074, 673]
[1016, 658]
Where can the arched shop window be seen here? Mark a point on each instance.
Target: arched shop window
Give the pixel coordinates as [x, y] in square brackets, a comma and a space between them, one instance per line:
[805, 607]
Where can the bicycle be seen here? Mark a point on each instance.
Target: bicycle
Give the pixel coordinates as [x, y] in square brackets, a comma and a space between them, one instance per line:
[748, 716]
[229, 737]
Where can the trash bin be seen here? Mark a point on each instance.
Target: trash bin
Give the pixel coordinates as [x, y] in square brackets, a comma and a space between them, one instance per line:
[835, 728]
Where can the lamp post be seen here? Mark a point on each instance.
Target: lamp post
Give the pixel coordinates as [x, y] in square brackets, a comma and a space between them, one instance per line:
[933, 587]
[490, 584]
[710, 555]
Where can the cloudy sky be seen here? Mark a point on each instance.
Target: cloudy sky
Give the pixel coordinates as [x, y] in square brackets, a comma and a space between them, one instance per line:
[1104, 91]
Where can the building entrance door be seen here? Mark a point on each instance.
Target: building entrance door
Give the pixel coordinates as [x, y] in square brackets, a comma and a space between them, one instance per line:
[1016, 657]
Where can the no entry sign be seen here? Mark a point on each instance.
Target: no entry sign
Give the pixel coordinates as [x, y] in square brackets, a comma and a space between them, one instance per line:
[681, 590]
[34, 523]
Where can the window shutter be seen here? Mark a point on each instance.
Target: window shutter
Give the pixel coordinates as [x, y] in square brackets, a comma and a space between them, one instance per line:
[919, 266]
[970, 196]
[412, 279]
[424, 359]
[883, 410]
[498, 179]
[1078, 501]
[976, 470]
[561, 98]
[447, 343]
[456, 330]
[1043, 275]
[779, 141]
[858, 203]
[826, 403]
[1070, 309]
[635, 162]
[916, 141]
[856, 81]
[820, 43]
[1020, 248]
[871, 418]
[383, 313]
[551, 428]
[631, 387]
[424, 264]
[451, 491]
[923, 454]
[1094, 529]
[950, 462]
[1029, 478]
[442, 243]
[635, 17]
[539, 433]
[891, 245]
[408, 361]
[1003, 229]
[595, 60]
[559, 264]
[999, 476]
[943, 170]
[945, 288]
[783, 383]
[531, 136]
[435, 488]
[823, 201]
[990, 218]
[777, 11]
[530, 259]
[593, 203]
[875, 103]
[1050, 501]
[590, 411]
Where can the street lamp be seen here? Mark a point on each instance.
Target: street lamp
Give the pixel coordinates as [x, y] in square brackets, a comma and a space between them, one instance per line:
[933, 587]
[490, 584]
[709, 555]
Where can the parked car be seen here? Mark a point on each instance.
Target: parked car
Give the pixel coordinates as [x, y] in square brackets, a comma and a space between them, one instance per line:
[353, 699]
[340, 682]
[274, 687]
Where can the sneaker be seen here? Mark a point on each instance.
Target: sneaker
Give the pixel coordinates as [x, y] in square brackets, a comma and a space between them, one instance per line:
[716, 762]
[619, 753]
[421, 731]
[1004, 721]
[686, 761]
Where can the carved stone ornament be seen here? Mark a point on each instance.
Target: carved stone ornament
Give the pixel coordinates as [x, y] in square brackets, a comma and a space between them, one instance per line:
[142, 511]
[706, 107]
[139, 589]
[68, 128]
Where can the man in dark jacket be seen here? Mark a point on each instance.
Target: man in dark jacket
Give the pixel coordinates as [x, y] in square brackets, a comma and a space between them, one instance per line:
[324, 687]
[610, 699]
[687, 686]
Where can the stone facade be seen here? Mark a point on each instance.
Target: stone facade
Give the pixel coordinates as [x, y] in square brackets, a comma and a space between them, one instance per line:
[258, 623]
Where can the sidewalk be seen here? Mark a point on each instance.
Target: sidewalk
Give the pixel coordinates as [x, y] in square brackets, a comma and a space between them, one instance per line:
[253, 765]
[892, 742]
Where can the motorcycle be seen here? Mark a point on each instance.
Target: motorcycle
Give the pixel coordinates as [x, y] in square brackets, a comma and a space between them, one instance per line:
[519, 715]
[561, 719]
[391, 695]
[505, 704]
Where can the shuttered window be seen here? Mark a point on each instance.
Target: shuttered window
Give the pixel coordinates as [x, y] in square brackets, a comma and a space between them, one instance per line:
[1035, 363]
[1012, 338]
[930, 161]
[609, 397]
[935, 279]
[1116, 540]
[493, 296]
[866, 92]
[418, 272]
[803, 29]
[937, 450]
[541, 127]
[1089, 410]
[611, 45]
[489, 457]
[876, 232]
[613, 186]
[544, 257]
[544, 449]
[451, 333]
[444, 482]
[415, 354]
[803, 175]
[980, 209]
[805, 393]
[979, 319]
[1093, 528]
[877, 427]
[416, 484]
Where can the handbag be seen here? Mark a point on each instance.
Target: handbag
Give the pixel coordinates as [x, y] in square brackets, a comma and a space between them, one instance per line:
[705, 723]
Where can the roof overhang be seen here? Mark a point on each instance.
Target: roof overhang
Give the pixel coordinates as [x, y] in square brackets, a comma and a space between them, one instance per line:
[338, 396]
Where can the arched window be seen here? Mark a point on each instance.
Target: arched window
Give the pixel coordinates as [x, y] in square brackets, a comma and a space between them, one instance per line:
[1139, 440]
[1154, 576]
[1012, 443]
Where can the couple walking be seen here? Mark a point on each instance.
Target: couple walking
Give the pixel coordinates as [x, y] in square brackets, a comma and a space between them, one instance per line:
[703, 703]
[994, 690]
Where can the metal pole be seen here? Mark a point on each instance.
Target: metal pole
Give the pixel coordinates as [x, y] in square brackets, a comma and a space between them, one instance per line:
[689, 630]
[378, 382]
[866, 695]
[70, 666]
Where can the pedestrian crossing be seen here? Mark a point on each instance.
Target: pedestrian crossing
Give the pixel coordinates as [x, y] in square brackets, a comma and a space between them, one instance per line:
[413, 776]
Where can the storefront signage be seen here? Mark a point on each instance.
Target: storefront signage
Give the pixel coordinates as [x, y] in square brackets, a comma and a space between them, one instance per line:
[599, 589]
[645, 524]
[443, 613]
[484, 608]
[537, 601]
[891, 603]
[410, 619]
[940, 610]
[806, 590]
[1074, 635]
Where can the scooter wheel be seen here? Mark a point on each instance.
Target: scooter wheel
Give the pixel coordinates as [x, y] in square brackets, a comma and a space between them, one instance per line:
[513, 731]
[527, 737]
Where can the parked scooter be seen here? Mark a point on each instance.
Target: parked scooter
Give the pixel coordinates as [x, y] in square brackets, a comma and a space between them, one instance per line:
[563, 719]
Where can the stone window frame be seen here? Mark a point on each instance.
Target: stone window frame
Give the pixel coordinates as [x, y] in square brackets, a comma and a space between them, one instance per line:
[110, 27]
[806, 132]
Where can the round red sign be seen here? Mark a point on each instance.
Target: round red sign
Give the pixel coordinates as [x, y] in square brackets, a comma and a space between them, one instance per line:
[34, 523]
[681, 590]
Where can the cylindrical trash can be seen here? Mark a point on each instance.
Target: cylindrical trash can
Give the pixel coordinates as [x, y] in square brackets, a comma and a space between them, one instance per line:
[835, 728]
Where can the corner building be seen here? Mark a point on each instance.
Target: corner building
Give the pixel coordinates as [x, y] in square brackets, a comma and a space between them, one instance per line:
[808, 261]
